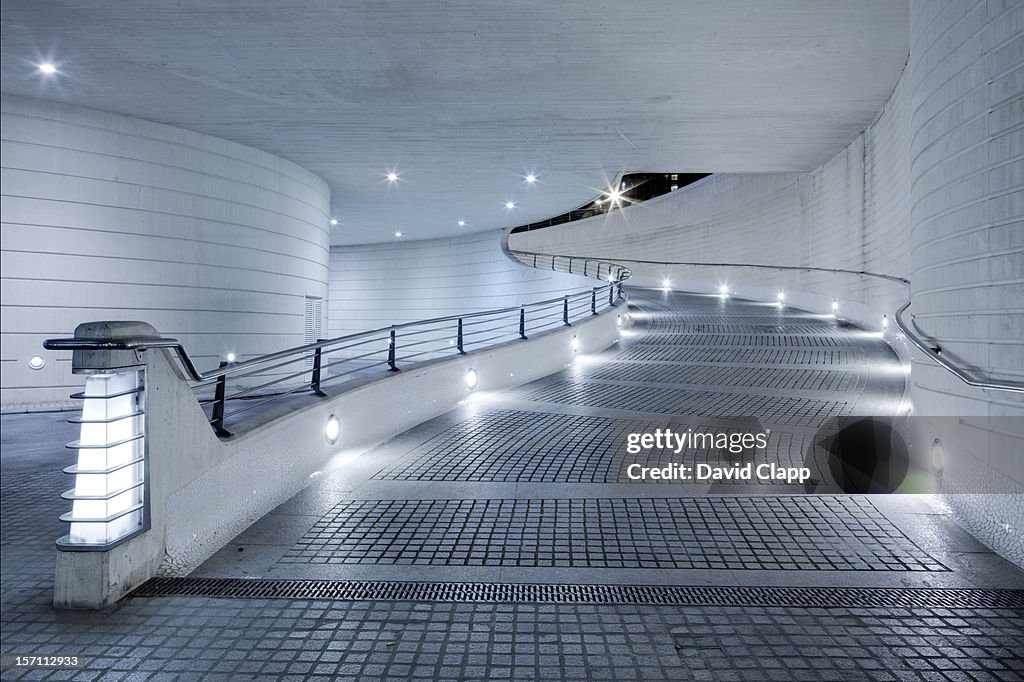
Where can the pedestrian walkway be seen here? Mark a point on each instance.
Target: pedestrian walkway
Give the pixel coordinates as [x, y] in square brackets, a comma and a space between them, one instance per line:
[507, 540]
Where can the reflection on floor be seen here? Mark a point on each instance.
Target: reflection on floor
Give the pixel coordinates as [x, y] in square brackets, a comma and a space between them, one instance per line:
[505, 540]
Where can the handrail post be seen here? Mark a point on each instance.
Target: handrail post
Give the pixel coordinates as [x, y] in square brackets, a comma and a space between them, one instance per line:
[315, 380]
[522, 322]
[570, 265]
[565, 310]
[585, 264]
[458, 341]
[391, 353]
[552, 263]
[593, 301]
[534, 260]
[218, 404]
[611, 294]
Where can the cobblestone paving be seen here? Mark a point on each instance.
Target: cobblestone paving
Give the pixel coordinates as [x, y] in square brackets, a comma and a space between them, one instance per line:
[791, 533]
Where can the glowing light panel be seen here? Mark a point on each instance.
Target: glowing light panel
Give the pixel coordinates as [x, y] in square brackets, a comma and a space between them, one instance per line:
[107, 500]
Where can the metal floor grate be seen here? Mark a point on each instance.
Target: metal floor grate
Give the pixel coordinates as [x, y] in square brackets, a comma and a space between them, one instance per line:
[363, 590]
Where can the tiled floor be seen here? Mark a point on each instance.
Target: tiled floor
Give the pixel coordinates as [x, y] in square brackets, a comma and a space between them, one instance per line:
[528, 488]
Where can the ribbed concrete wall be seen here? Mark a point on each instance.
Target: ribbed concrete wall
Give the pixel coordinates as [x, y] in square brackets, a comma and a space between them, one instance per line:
[113, 218]
[967, 193]
[378, 285]
[967, 217]
[851, 213]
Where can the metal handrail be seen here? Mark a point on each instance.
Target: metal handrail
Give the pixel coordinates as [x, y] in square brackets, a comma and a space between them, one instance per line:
[932, 352]
[561, 310]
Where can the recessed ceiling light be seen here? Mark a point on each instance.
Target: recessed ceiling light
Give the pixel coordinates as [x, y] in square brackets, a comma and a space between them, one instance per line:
[392, 176]
[334, 221]
[510, 205]
[462, 223]
[531, 178]
[48, 68]
[398, 234]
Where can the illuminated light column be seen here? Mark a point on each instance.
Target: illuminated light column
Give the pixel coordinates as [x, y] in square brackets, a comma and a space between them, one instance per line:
[109, 495]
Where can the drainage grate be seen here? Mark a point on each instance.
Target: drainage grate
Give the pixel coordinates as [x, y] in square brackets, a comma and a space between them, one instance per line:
[365, 590]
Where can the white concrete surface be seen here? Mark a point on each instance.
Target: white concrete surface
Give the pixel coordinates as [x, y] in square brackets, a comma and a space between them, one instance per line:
[377, 285]
[463, 98]
[108, 217]
[967, 262]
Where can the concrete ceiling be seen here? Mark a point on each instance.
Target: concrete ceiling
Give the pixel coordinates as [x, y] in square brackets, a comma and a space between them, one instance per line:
[463, 98]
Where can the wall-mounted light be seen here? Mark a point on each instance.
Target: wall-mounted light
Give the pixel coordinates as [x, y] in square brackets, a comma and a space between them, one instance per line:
[471, 379]
[575, 344]
[332, 429]
[835, 305]
[36, 362]
[885, 321]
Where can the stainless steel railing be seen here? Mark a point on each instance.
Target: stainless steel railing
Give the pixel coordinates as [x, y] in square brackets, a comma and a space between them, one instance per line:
[235, 388]
[932, 349]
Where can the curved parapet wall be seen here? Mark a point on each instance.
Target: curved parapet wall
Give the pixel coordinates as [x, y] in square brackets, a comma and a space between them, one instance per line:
[110, 217]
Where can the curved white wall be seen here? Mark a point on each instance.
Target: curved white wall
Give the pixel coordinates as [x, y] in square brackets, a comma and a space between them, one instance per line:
[967, 217]
[967, 194]
[113, 218]
[377, 285]
[851, 213]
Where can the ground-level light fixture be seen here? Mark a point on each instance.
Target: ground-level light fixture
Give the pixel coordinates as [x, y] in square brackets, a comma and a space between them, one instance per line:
[723, 290]
[36, 362]
[332, 429]
[885, 321]
[782, 297]
[230, 357]
[575, 344]
[835, 305]
[471, 379]
[666, 284]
